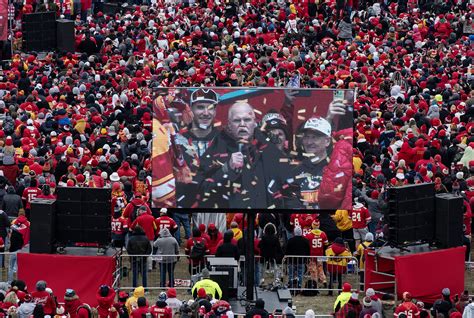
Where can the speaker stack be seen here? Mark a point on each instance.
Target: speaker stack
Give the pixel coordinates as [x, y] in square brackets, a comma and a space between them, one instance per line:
[42, 231]
[83, 215]
[39, 31]
[65, 35]
[449, 220]
[411, 215]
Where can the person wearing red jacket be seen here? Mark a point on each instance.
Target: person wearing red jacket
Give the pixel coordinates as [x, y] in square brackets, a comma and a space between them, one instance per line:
[105, 298]
[418, 151]
[126, 171]
[74, 306]
[442, 28]
[142, 309]
[214, 238]
[335, 191]
[147, 223]
[41, 296]
[196, 264]
[406, 153]
[407, 307]
[130, 210]
[425, 161]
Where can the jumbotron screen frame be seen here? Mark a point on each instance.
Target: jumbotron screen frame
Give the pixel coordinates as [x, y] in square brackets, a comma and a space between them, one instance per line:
[230, 149]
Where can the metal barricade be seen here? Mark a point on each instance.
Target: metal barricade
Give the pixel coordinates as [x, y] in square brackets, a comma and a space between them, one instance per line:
[152, 271]
[320, 273]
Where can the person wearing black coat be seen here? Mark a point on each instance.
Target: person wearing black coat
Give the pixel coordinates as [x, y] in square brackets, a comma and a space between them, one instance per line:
[297, 246]
[138, 244]
[259, 310]
[227, 249]
[270, 250]
[11, 203]
[241, 158]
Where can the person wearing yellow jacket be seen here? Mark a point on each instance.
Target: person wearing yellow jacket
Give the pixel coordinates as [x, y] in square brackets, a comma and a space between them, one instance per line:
[344, 224]
[343, 297]
[131, 302]
[211, 287]
[338, 258]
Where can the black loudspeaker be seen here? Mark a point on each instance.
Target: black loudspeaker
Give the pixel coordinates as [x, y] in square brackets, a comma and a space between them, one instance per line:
[223, 279]
[111, 8]
[84, 215]
[43, 223]
[449, 220]
[411, 215]
[39, 31]
[65, 35]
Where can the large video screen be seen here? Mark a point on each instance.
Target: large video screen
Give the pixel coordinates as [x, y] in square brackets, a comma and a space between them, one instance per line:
[252, 148]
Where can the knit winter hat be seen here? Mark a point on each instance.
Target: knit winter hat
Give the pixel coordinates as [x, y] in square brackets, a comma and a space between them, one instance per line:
[298, 231]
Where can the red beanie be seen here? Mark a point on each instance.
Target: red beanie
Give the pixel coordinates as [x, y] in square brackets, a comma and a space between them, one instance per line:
[375, 194]
[202, 293]
[171, 293]
[346, 287]
[202, 228]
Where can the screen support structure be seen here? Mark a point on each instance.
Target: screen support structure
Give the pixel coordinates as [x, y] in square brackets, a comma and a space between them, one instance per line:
[250, 255]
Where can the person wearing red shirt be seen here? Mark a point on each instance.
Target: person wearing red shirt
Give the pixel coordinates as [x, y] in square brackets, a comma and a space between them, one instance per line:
[297, 219]
[29, 194]
[360, 219]
[161, 309]
[41, 296]
[407, 307]
[196, 264]
[119, 226]
[318, 241]
[164, 221]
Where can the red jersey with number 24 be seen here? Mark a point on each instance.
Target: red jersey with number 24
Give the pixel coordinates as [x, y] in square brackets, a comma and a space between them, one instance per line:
[360, 216]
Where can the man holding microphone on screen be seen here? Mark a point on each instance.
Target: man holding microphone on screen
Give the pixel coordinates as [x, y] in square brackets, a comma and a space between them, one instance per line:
[240, 167]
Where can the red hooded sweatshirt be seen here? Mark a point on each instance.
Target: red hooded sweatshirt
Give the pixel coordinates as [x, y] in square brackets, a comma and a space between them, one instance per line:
[105, 303]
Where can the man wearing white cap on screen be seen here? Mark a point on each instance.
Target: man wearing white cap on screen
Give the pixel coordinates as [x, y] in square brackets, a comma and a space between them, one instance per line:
[315, 140]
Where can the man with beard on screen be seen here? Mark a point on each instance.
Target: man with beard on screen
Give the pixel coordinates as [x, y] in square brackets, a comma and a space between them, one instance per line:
[241, 166]
[194, 141]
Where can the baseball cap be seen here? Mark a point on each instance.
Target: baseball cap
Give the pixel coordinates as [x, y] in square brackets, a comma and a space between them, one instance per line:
[204, 95]
[275, 121]
[319, 124]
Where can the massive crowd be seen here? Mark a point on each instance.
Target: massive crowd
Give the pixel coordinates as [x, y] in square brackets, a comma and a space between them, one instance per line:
[85, 119]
